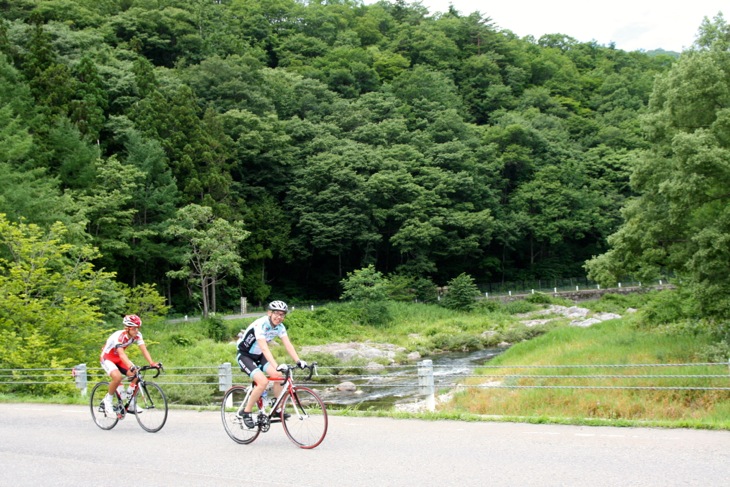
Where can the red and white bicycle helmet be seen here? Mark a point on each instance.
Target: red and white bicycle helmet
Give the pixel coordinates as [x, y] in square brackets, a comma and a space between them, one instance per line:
[132, 321]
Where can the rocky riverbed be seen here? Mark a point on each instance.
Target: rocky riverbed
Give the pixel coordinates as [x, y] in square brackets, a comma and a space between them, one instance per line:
[346, 352]
[376, 354]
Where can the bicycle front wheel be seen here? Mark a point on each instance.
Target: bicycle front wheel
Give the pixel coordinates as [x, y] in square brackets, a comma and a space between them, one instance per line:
[232, 406]
[105, 420]
[151, 407]
[304, 417]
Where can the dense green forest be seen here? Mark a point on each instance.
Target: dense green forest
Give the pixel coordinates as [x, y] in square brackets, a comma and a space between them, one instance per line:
[218, 149]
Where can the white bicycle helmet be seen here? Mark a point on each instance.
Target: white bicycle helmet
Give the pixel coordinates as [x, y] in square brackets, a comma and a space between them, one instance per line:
[278, 306]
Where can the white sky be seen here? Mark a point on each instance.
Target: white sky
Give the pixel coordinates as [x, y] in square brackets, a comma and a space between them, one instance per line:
[630, 24]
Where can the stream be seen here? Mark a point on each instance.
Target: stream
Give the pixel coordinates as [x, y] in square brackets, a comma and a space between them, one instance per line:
[382, 390]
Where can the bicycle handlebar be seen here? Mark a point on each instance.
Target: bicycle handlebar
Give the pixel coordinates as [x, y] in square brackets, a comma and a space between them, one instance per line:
[288, 369]
[312, 369]
[158, 369]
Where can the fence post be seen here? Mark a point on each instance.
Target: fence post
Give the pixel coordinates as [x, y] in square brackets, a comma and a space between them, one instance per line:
[425, 383]
[225, 379]
[80, 378]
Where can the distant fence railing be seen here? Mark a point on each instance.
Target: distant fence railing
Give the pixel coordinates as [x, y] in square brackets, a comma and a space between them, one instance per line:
[553, 286]
[420, 379]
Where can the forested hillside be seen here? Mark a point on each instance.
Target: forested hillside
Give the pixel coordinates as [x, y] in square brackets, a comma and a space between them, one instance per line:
[218, 149]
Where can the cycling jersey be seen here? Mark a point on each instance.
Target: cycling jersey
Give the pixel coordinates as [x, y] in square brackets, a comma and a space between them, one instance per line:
[261, 328]
[118, 339]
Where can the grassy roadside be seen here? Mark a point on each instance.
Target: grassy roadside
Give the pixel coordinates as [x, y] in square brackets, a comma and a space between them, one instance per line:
[429, 329]
[611, 342]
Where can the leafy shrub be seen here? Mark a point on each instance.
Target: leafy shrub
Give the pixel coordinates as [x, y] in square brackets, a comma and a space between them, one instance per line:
[215, 328]
[400, 288]
[425, 290]
[618, 303]
[462, 293]
[519, 306]
[522, 333]
[716, 352]
[364, 284]
[144, 300]
[461, 342]
[181, 340]
[664, 307]
[376, 313]
[539, 298]
[488, 305]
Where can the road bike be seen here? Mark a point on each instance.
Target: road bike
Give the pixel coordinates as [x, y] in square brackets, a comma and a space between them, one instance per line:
[299, 409]
[147, 397]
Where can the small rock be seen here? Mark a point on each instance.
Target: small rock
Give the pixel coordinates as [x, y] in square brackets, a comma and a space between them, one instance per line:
[346, 387]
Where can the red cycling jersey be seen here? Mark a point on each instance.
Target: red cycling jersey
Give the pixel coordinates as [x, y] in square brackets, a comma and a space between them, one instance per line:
[118, 339]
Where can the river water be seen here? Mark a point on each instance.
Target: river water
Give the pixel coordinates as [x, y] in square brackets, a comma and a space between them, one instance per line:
[398, 384]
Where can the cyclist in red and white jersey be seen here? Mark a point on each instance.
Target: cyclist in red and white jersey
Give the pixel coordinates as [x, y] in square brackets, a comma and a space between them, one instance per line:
[116, 363]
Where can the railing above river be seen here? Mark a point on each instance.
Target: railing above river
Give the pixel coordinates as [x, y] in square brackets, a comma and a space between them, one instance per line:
[384, 385]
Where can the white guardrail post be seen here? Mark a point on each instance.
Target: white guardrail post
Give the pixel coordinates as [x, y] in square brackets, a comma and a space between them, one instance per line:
[225, 378]
[425, 383]
[80, 378]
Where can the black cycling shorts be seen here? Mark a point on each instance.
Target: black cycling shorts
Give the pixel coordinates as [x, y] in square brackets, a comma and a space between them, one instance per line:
[249, 364]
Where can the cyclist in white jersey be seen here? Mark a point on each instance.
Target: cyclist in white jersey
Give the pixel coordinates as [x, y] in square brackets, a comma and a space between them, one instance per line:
[255, 358]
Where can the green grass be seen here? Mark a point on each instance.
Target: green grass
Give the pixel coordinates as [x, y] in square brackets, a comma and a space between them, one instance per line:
[430, 329]
[610, 343]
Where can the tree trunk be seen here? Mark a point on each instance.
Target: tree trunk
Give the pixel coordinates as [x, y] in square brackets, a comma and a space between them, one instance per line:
[204, 290]
[213, 285]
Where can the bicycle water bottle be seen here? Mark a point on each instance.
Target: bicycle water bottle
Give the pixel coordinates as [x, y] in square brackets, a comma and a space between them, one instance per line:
[122, 393]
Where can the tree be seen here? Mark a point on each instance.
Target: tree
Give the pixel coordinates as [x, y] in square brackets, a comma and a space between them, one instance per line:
[108, 206]
[680, 221]
[364, 284]
[367, 289]
[211, 250]
[462, 293]
[155, 199]
[50, 292]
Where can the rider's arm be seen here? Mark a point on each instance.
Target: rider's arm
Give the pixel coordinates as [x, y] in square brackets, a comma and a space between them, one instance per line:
[290, 348]
[125, 360]
[146, 354]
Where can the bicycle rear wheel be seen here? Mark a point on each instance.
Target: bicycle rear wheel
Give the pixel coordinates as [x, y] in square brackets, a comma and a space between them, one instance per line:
[105, 420]
[306, 424]
[152, 403]
[232, 406]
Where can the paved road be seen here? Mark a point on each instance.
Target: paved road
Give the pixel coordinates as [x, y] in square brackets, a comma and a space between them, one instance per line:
[60, 446]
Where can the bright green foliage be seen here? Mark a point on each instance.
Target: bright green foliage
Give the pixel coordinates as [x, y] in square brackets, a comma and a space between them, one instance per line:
[364, 285]
[144, 300]
[401, 288]
[50, 295]
[462, 293]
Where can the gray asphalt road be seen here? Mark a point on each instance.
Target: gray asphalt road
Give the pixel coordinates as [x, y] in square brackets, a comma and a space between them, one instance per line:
[60, 446]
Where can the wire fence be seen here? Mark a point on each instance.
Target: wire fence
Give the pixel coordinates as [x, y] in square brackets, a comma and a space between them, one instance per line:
[345, 383]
